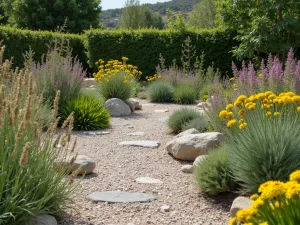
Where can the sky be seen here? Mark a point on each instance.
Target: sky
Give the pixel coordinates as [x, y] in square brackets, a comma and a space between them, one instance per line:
[113, 4]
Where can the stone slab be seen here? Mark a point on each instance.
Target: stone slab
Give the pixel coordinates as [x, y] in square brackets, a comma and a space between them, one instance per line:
[120, 197]
[138, 133]
[142, 143]
[161, 110]
[96, 132]
[148, 180]
[164, 119]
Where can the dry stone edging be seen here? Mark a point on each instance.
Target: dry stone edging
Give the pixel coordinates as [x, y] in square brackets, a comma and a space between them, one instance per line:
[120, 197]
[189, 147]
[141, 143]
[238, 204]
[117, 107]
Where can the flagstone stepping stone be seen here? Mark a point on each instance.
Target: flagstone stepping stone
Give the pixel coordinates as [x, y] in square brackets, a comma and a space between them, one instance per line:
[142, 143]
[139, 133]
[120, 123]
[161, 110]
[148, 180]
[120, 197]
[149, 104]
[96, 132]
[164, 119]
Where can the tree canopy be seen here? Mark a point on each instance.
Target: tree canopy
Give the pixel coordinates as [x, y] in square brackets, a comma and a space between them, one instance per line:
[48, 15]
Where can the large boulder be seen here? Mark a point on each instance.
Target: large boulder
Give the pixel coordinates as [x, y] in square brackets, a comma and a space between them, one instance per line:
[134, 104]
[238, 204]
[190, 146]
[187, 132]
[117, 107]
[43, 219]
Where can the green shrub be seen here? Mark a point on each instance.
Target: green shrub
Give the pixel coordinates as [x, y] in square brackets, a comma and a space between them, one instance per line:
[112, 44]
[213, 174]
[160, 91]
[92, 92]
[89, 113]
[206, 91]
[199, 123]
[30, 184]
[57, 72]
[142, 95]
[185, 94]
[181, 117]
[115, 87]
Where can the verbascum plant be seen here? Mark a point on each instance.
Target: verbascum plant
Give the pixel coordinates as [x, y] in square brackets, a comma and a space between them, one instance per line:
[30, 183]
[276, 203]
[263, 141]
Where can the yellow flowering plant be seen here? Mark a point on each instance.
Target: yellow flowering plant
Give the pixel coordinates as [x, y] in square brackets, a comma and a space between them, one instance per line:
[276, 203]
[262, 137]
[117, 79]
[154, 77]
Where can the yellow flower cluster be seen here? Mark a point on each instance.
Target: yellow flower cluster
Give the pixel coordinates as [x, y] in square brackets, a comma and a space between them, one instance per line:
[154, 77]
[268, 101]
[273, 201]
[115, 67]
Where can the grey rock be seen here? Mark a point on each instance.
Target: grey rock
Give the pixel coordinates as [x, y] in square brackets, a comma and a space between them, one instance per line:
[148, 180]
[186, 132]
[164, 119]
[142, 143]
[43, 219]
[117, 107]
[199, 160]
[189, 147]
[120, 197]
[238, 204]
[165, 208]
[134, 104]
[187, 169]
[138, 133]
[86, 165]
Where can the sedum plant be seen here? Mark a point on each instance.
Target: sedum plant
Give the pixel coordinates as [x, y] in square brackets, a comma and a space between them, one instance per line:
[89, 113]
[30, 183]
[263, 141]
[276, 203]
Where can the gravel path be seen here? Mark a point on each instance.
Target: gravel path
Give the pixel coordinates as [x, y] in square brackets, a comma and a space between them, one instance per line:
[119, 166]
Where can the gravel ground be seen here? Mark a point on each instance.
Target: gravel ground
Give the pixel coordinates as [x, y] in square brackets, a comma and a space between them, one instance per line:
[119, 166]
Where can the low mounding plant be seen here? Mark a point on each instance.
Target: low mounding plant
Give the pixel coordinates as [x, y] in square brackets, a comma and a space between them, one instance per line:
[276, 203]
[213, 174]
[117, 79]
[89, 113]
[199, 123]
[58, 70]
[160, 91]
[263, 140]
[181, 117]
[30, 184]
[185, 94]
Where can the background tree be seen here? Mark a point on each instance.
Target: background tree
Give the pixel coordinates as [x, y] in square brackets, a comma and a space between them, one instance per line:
[48, 15]
[203, 15]
[269, 26]
[135, 16]
[176, 20]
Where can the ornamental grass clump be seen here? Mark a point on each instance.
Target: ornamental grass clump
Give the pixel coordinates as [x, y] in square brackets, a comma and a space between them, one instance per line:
[89, 113]
[117, 79]
[30, 183]
[213, 175]
[185, 94]
[276, 203]
[160, 91]
[263, 140]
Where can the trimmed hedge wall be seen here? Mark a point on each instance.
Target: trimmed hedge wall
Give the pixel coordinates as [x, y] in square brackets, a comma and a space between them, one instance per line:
[142, 47]
[18, 41]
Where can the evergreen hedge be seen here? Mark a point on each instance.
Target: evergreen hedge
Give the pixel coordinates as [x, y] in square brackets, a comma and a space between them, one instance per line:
[143, 47]
[18, 41]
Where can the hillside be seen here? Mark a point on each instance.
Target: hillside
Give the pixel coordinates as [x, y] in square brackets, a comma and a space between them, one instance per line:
[109, 18]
